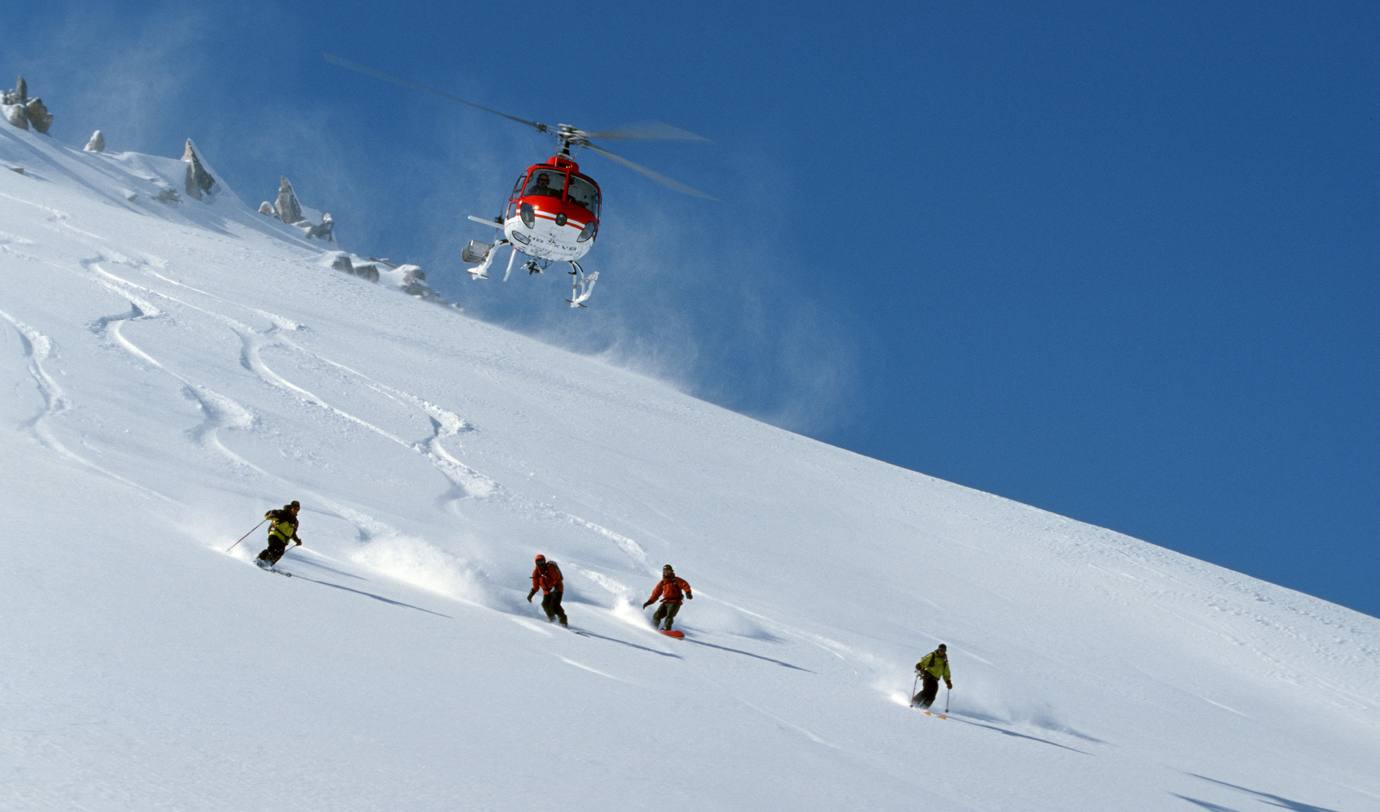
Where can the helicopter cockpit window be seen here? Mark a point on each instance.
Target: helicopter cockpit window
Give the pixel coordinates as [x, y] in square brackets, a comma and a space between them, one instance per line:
[584, 193]
[546, 182]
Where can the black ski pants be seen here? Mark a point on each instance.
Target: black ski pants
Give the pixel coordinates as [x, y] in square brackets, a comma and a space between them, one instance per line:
[551, 605]
[667, 611]
[277, 545]
[929, 689]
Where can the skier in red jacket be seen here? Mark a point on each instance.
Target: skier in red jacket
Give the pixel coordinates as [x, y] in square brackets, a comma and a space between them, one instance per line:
[670, 589]
[546, 576]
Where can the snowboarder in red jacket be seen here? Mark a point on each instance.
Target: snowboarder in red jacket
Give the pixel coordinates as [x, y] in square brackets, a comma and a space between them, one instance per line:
[671, 590]
[546, 576]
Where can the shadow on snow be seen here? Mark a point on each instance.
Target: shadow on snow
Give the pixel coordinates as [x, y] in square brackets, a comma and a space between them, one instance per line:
[584, 633]
[379, 598]
[1264, 797]
[956, 718]
[781, 663]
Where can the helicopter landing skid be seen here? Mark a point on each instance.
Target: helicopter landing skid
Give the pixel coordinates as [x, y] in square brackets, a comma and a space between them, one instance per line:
[581, 285]
[483, 254]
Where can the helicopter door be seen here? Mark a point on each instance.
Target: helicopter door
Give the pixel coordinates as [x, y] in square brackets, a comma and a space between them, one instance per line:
[513, 196]
[585, 194]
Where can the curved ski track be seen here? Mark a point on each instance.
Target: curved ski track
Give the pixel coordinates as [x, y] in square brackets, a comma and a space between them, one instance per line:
[38, 348]
[221, 412]
[465, 481]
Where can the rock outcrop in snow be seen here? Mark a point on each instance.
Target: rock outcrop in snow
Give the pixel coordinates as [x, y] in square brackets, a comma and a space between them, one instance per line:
[345, 264]
[199, 182]
[24, 112]
[323, 230]
[96, 143]
[408, 278]
[287, 208]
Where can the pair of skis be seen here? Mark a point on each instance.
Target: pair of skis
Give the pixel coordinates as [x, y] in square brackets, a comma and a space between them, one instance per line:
[266, 567]
[926, 709]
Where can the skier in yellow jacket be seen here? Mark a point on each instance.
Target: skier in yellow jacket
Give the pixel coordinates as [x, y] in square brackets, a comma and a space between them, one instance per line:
[282, 528]
[932, 668]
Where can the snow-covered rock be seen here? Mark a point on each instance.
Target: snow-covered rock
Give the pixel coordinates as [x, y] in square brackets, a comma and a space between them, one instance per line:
[286, 206]
[24, 112]
[342, 263]
[38, 115]
[414, 282]
[289, 209]
[14, 114]
[198, 181]
[325, 230]
[96, 143]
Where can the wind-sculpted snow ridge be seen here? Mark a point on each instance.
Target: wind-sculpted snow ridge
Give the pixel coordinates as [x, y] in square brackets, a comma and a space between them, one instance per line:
[173, 370]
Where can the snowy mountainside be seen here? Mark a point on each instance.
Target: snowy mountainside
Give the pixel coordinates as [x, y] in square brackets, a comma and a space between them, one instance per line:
[172, 371]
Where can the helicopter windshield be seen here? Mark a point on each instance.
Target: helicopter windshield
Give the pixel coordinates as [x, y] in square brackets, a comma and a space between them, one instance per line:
[584, 193]
[547, 182]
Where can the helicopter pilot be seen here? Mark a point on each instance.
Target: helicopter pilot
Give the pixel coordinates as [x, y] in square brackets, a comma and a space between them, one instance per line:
[543, 187]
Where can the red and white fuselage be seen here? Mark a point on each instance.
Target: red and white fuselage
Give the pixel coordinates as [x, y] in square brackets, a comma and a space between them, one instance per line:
[553, 211]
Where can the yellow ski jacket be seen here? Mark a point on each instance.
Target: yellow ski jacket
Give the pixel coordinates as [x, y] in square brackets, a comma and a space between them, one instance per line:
[935, 666]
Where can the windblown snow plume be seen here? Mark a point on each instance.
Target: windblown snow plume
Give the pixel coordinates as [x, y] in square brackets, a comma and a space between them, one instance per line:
[414, 561]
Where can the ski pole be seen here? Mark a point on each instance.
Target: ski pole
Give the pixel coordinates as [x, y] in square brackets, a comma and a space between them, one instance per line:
[245, 536]
[948, 692]
[914, 683]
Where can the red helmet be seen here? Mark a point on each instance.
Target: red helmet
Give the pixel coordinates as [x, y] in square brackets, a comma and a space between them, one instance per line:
[540, 558]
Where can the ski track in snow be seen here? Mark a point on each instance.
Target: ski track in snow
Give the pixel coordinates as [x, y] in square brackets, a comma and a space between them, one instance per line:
[464, 481]
[38, 349]
[221, 412]
[591, 669]
[9, 245]
[447, 425]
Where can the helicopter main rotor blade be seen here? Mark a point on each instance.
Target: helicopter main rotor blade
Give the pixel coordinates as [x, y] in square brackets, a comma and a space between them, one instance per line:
[407, 83]
[656, 176]
[650, 131]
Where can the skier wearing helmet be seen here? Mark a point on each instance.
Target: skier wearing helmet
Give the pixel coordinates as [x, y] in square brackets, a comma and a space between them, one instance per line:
[670, 589]
[546, 576]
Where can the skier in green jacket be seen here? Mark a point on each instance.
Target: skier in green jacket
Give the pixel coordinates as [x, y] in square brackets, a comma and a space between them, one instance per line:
[932, 668]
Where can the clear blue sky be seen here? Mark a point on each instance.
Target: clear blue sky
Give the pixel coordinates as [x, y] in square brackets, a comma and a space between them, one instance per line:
[1115, 262]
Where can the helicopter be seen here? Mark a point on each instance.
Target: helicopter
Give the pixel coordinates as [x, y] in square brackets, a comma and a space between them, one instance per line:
[552, 213]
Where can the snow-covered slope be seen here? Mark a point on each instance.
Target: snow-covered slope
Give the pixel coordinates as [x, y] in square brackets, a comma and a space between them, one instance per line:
[169, 372]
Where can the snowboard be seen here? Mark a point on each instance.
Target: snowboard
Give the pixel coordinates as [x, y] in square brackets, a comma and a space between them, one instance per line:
[676, 633]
